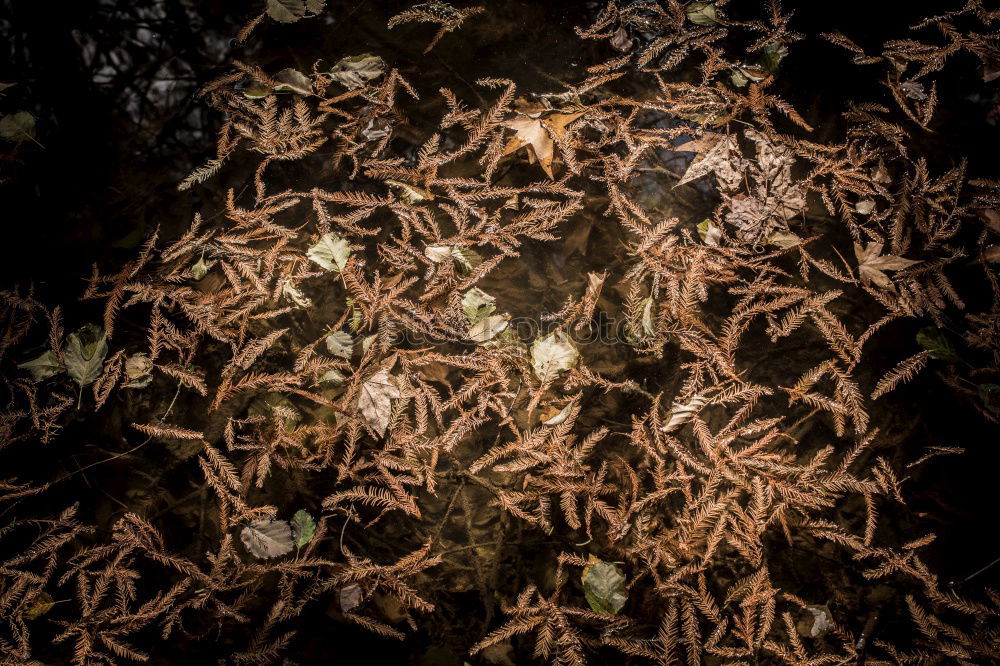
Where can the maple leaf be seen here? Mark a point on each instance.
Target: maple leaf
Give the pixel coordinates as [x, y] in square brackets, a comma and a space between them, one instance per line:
[871, 264]
[537, 132]
[717, 153]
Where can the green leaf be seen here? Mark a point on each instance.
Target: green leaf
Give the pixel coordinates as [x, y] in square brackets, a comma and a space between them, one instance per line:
[466, 257]
[18, 126]
[477, 305]
[604, 587]
[933, 340]
[990, 395]
[552, 355]
[771, 56]
[292, 80]
[43, 367]
[331, 252]
[702, 13]
[85, 352]
[304, 528]
[201, 268]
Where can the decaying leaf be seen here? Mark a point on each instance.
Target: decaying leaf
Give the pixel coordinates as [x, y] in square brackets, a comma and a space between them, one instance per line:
[604, 586]
[536, 133]
[138, 370]
[411, 194]
[709, 233]
[200, 268]
[292, 80]
[267, 539]
[41, 605]
[814, 621]
[681, 413]
[355, 71]
[332, 376]
[466, 257]
[375, 400]
[303, 527]
[553, 354]
[44, 366]
[294, 294]
[477, 305]
[289, 11]
[331, 252]
[488, 328]
[702, 13]
[865, 207]
[438, 253]
[717, 153]
[871, 264]
[18, 126]
[350, 597]
[340, 343]
[84, 354]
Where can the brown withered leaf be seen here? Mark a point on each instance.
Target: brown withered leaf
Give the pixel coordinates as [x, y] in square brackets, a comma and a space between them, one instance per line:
[375, 400]
[717, 153]
[872, 264]
[536, 133]
[266, 539]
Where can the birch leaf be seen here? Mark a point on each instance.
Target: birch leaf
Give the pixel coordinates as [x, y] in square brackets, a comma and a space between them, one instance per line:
[488, 328]
[702, 13]
[552, 355]
[43, 367]
[286, 11]
[375, 400]
[340, 343]
[304, 527]
[477, 305]
[266, 539]
[292, 80]
[604, 587]
[466, 257]
[331, 252]
[355, 71]
[85, 352]
[438, 253]
[332, 376]
[18, 126]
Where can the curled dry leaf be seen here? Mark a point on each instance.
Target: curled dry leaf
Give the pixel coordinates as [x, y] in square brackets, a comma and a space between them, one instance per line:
[604, 586]
[488, 328]
[375, 400]
[536, 133]
[682, 413]
[138, 370]
[355, 71]
[553, 354]
[267, 539]
[292, 80]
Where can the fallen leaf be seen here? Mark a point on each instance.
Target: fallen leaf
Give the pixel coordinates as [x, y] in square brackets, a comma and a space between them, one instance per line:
[814, 621]
[350, 597]
[286, 11]
[18, 126]
[620, 41]
[332, 376]
[44, 366]
[355, 71]
[681, 413]
[138, 370]
[709, 233]
[294, 294]
[716, 153]
[604, 587]
[536, 134]
[85, 352]
[292, 80]
[340, 343]
[438, 253]
[266, 539]
[466, 257]
[331, 252]
[552, 355]
[41, 605]
[488, 328]
[375, 400]
[871, 264]
[702, 13]
[411, 194]
[303, 527]
[477, 305]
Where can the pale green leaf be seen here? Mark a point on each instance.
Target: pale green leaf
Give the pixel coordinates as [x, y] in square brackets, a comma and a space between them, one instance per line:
[477, 305]
[604, 587]
[43, 367]
[18, 126]
[340, 343]
[85, 352]
[331, 252]
[303, 527]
